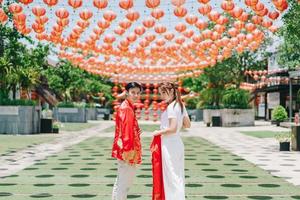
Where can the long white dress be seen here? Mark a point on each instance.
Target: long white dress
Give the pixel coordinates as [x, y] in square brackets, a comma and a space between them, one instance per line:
[173, 154]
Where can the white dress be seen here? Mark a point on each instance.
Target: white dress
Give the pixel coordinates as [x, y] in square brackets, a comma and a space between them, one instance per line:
[173, 155]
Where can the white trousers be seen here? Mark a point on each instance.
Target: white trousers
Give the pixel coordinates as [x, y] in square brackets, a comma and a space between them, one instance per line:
[124, 180]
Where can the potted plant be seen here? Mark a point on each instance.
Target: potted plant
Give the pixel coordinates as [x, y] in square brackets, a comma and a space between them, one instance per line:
[279, 114]
[55, 128]
[284, 141]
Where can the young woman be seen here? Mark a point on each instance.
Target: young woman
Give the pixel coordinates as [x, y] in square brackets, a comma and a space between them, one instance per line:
[172, 149]
[127, 146]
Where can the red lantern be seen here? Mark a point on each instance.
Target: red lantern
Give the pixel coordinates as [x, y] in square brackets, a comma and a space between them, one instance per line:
[100, 4]
[103, 24]
[26, 2]
[251, 3]
[273, 15]
[191, 19]
[180, 27]
[203, 1]
[38, 11]
[152, 3]
[140, 30]
[160, 29]
[180, 11]
[50, 2]
[227, 5]
[205, 9]
[178, 3]
[148, 23]
[201, 24]
[119, 31]
[62, 13]
[75, 3]
[15, 8]
[85, 14]
[132, 15]
[125, 24]
[109, 15]
[157, 13]
[126, 4]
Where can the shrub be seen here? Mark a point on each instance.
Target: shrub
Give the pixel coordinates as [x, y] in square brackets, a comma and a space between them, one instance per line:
[279, 114]
[17, 102]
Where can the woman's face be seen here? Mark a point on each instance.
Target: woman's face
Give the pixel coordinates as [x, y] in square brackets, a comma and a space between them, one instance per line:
[134, 94]
[166, 96]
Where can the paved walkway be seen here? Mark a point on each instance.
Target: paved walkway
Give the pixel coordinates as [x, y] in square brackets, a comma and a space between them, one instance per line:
[15, 162]
[263, 152]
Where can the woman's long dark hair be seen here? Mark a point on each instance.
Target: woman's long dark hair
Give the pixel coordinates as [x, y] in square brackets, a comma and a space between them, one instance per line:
[167, 87]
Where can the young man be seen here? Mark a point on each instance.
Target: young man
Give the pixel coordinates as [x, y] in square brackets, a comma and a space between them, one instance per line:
[127, 146]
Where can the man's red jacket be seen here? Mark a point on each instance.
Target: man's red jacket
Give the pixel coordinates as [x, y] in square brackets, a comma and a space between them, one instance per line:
[127, 144]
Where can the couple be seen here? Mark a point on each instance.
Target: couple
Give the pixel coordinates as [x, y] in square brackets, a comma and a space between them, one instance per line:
[167, 147]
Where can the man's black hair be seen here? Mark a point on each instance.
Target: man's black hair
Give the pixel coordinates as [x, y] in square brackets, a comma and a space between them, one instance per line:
[133, 85]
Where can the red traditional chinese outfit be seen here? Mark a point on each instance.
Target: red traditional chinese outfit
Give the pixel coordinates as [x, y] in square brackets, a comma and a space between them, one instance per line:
[127, 144]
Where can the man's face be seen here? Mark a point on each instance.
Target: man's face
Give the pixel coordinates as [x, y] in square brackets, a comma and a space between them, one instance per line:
[134, 94]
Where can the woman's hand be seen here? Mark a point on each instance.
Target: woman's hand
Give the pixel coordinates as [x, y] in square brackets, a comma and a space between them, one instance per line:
[156, 133]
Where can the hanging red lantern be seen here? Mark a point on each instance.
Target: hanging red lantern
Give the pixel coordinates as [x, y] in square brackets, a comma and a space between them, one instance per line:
[152, 3]
[62, 13]
[103, 24]
[157, 13]
[205, 9]
[85, 14]
[273, 15]
[160, 29]
[251, 3]
[149, 23]
[180, 11]
[75, 3]
[180, 27]
[119, 31]
[178, 3]
[100, 4]
[50, 3]
[132, 15]
[126, 4]
[227, 5]
[203, 1]
[26, 2]
[15, 8]
[125, 24]
[140, 30]
[191, 19]
[38, 11]
[109, 15]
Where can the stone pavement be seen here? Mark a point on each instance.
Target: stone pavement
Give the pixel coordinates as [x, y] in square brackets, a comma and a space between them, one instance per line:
[263, 152]
[14, 162]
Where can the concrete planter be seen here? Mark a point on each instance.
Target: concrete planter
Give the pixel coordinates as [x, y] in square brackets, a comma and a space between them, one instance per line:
[91, 114]
[19, 119]
[209, 113]
[196, 114]
[237, 117]
[70, 114]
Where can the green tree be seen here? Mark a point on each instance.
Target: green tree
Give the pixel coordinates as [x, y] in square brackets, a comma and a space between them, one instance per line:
[289, 51]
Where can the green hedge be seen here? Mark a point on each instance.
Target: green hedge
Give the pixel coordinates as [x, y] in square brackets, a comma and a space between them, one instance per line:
[17, 102]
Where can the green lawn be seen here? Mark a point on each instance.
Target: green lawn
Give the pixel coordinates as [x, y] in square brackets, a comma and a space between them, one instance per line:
[261, 134]
[86, 171]
[144, 127]
[11, 143]
[76, 126]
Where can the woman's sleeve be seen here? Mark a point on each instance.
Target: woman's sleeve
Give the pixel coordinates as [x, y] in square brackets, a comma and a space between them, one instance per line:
[171, 111]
